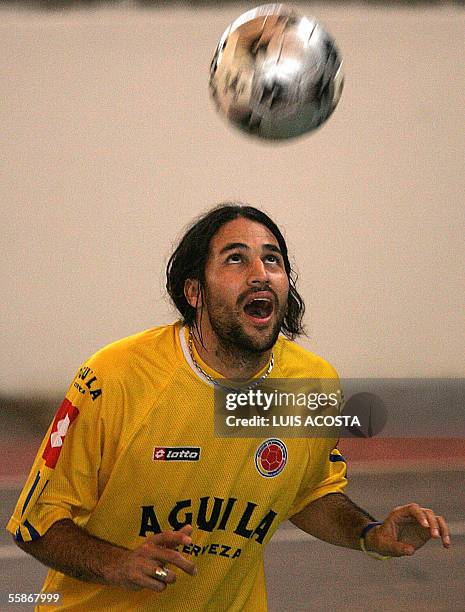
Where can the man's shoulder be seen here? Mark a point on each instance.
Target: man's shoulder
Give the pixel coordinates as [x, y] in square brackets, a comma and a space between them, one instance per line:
[295, 361]
[158, 344]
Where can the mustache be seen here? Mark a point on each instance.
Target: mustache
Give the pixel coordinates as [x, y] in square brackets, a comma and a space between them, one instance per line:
[246, 294]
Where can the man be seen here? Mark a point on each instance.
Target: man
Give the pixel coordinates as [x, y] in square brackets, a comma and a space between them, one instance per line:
[131, 494]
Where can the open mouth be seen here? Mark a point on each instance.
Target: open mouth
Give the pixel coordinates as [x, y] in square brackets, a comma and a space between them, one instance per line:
[259, 308]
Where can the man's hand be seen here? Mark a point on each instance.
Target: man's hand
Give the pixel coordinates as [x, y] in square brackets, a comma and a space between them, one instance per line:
[137, 569]
[336, 519]
[406, 529]
[73, 551]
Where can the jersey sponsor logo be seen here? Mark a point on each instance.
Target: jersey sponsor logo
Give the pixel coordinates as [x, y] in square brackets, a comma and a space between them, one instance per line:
[63, 419]
[210, 514]
[271, 457]
[86, 380]
[176, 453]
[221, 550]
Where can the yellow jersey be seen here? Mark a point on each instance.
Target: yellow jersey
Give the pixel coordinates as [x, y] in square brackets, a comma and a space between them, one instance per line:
[132, 452]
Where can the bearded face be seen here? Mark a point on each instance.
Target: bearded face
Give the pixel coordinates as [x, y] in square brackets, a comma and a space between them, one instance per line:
[246, 287]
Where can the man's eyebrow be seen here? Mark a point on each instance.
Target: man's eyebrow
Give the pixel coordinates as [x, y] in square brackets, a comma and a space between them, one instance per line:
[272, 247]
[233, 245]
[240, 245]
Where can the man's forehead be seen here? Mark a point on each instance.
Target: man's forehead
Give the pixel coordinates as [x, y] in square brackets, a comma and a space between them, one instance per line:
[244, 231]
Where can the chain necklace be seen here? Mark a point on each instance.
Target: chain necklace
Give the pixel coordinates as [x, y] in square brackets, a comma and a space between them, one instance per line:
[218, 384]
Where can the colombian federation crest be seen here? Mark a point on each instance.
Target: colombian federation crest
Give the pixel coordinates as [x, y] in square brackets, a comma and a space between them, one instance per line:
[271, 457]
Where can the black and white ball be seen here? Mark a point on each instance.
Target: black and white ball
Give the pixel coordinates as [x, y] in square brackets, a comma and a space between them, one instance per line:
[276, 74]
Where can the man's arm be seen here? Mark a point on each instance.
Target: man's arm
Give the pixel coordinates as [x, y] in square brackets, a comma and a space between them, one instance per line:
[334, 518]
[74, 552]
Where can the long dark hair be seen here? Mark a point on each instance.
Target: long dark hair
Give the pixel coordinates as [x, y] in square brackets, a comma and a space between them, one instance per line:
[190, 258]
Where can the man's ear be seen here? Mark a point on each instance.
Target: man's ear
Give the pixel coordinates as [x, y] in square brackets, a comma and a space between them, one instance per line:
[193, 292]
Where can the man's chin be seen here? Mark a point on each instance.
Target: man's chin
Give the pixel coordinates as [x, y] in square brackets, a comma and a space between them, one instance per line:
[259, 338]
[245, 336]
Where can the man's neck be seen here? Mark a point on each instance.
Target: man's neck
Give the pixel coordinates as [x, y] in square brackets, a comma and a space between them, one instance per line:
[231, 362]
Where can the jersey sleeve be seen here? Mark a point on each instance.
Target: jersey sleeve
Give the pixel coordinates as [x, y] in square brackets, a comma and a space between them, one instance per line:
[65, 478]
[326, 468]
[326, 473]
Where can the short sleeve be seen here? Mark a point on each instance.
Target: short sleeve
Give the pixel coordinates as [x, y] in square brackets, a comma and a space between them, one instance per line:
[64, 479]
[326, 473]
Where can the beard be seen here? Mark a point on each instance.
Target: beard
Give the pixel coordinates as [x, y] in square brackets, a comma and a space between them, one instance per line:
[233, 339]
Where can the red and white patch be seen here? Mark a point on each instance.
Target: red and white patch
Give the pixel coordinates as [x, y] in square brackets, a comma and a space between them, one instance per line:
[63, 419]
[271, 457]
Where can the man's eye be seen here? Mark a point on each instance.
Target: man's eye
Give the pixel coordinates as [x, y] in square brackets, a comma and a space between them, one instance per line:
[234, 258]
[272, 258]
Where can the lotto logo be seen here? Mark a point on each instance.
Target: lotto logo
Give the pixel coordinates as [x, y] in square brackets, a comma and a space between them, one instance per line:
[176, 453]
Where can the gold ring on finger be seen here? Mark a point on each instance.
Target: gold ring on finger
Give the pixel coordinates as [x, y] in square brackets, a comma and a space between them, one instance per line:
[161, 573]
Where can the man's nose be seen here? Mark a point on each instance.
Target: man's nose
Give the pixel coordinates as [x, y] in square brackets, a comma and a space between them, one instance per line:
[257, 272]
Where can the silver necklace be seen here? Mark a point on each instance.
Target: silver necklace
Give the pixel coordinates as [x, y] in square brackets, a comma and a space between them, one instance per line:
[218, 384]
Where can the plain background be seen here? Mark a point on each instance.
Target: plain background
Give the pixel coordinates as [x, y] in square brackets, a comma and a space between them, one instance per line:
[111, 145]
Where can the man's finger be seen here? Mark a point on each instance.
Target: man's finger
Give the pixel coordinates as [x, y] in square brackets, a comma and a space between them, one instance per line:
[162, 574]
[444, 529]
[148, 582]
[168, 555]
[170, 539]
[187, 529]
[164, 555]
[424, 516]
[433, 524]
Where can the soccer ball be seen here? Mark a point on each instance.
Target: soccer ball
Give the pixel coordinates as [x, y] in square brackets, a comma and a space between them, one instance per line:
[276, 74]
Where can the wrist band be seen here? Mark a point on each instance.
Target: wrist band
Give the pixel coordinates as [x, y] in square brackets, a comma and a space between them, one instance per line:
[371, 553]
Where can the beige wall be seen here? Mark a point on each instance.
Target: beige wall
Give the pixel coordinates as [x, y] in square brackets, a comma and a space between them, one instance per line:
[110, 144]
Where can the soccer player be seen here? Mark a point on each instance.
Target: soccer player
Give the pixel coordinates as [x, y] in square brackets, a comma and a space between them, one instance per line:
[131, 493]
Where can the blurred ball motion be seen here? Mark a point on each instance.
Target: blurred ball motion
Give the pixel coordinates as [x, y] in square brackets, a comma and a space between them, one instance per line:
[276, 74]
